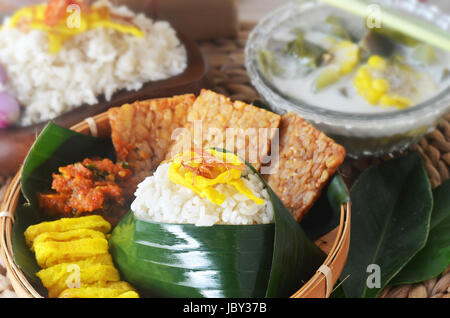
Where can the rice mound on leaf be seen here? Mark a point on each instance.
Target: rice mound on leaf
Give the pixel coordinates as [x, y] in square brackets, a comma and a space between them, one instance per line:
[160, 200]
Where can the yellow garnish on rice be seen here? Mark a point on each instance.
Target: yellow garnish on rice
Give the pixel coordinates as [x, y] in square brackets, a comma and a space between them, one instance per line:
[202, 170]
[70, 22]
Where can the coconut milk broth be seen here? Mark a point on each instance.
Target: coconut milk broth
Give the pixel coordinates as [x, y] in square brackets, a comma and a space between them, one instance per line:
[298, 85]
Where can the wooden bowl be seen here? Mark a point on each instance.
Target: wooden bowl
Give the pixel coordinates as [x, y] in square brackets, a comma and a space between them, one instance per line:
[335, 244]
[16, 141]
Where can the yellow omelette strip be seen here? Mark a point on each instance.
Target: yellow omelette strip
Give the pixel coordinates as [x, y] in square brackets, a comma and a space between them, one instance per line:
[204, 187]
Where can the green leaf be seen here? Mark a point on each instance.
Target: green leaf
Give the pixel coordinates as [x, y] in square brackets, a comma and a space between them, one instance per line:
[55, 147]
[391, 209]
[295, 257]
[183, 260]
[434, 258]
[24, 258]
[338, 291]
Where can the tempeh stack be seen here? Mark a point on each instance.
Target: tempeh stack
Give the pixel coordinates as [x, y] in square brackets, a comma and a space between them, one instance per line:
[307, 159]
[215, 121]
[142, 133]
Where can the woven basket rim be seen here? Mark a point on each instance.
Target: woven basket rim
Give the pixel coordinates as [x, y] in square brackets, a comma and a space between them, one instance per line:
[319, 282]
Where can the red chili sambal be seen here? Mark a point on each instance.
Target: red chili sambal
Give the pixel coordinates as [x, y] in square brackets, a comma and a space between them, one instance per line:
[90, 186]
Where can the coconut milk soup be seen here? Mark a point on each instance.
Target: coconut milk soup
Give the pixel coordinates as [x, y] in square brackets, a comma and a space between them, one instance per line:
[336, 63]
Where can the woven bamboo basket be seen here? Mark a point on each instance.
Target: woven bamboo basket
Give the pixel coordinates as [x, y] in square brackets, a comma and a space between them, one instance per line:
[335, 244]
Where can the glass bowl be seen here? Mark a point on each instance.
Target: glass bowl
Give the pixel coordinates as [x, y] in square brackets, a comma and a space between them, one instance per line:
[362, 134]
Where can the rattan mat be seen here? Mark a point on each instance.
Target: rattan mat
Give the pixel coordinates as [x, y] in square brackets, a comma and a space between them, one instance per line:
[228, 76]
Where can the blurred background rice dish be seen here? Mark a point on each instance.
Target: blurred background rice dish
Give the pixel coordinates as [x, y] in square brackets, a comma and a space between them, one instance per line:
[98, 62]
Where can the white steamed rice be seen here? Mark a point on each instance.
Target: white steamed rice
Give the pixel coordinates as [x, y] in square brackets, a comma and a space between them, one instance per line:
[100, 61]
[160, 200]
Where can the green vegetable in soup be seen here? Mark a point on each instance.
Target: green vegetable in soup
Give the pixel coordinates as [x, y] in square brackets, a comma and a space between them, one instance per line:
[326, 77]
[310, 54]
[334, 27]
[268, 64]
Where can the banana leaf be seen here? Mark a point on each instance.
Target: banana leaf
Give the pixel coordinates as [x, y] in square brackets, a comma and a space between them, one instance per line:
[57, 146]
[25, 216]
[183, 260]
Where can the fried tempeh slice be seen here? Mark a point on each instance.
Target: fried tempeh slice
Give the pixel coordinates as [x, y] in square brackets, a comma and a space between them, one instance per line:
[142, 133]
[307, 159]
[215, 121]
